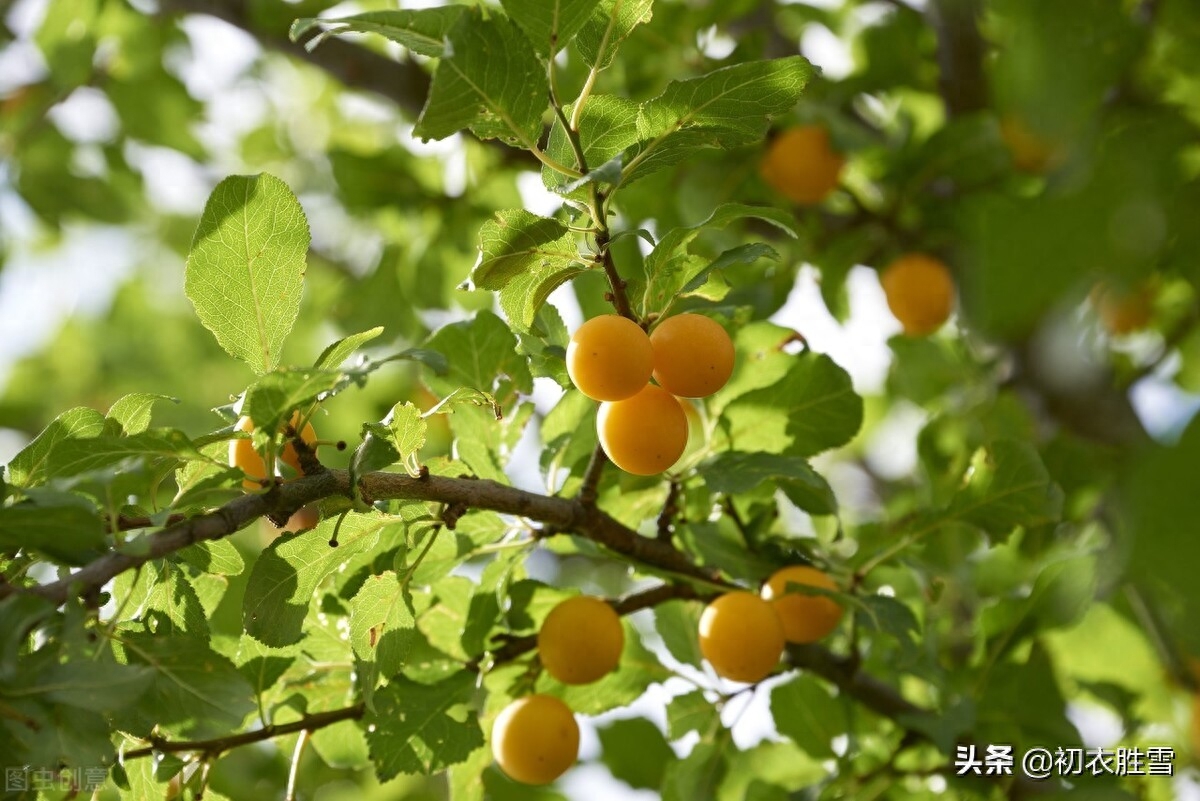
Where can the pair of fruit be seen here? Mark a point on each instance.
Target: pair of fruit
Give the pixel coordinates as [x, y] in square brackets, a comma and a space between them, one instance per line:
[243, 456]
[535, 739]
[742, 635]
[642, 426]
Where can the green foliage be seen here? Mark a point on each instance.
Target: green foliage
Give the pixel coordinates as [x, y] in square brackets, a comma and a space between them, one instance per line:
[1031, 566]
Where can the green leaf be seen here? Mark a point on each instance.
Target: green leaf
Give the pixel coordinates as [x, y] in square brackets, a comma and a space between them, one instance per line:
[397, 439]
[678, 623]
[332, 357]
[490, 80]
[479, 352]
[29, 467]
[285, 577]
[610, 23]
[727, 108]
[419, 728]
[20, 615]
[64, 527]
[195, 692]
[245, 270]
[697, 776]
[214, 556]
[1007, 486]
[74, 456]
[636, 752]
[422, 31]
[805, 712]
[692, 712]
[131, 413]
[164, 601]
[382, 627]
[811, 409]
[732, 473]
[525, 257]
[550, 24]
[670, 267]
[607, 126]
[97, 685]
[271, 400]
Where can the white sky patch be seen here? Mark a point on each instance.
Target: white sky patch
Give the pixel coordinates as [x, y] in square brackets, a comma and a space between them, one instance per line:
[1163, 407]
[220, 55]
[535, 196]
[860, 345]
[174, 183]
[825, 50]
[892, 450]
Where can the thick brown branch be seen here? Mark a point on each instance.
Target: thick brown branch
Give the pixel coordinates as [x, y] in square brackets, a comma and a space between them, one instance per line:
[220, 745]
[960, 52]
[559, 514]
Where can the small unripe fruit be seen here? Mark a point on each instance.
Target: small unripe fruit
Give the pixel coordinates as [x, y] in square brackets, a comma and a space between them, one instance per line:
[920, 292]
[609, 358]
[805, 618]
[535, 739]
[801, 164]
[645, 434]
[581, 640]
[693, 355]
[741, 636]
[1031, 152]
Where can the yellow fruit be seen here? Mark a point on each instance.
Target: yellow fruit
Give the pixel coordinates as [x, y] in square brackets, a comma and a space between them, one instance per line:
[1123, 310]
[581, 640]
[535, 739]
[609, 358]
[1030, 152]
[242, 455]
[693, 356]
[645, 434]
[805, 618]
[741, 636]
[801, 165]
[308, 434]
[920, 292]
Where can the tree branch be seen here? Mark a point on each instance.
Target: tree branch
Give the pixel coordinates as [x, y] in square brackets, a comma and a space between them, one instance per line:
[219, 745]
[960, 52]
[568, 515]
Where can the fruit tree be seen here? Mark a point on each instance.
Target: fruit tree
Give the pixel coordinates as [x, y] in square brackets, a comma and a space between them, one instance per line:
[591, 399]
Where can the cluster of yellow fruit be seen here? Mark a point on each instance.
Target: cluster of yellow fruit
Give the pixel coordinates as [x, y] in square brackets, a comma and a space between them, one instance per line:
[742, 635]
[535, 739]
[643, 426]
[242, 454]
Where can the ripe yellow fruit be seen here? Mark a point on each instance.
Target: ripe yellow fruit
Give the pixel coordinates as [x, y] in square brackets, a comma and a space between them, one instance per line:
[741, 636]
[645, 434]
[581, 640]
[308, 434]
[693, 355]
[609, 358]
[805, 618]
[1123, 310]
[801, 164]
[242, 455]
[535, 739]
[920, 292]
[1031, 152]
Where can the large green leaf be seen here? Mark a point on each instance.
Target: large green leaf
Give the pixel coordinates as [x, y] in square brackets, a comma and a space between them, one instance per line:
[733, 472]
[332, 357]
[550, 24]
[246, 267]
[812, 408]
[29, 467]
[422, 31]
[382, 627]
[525, 257]
[419, 728]
[195, 692]
[1007, 486]
[805, 711]
[64, 527]
[670, 267]
[479, 352]
[725, 109]
[610, 23]
[286, 575]
[130, 414]
[490, 80]
[607, 126]
[636, 752]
